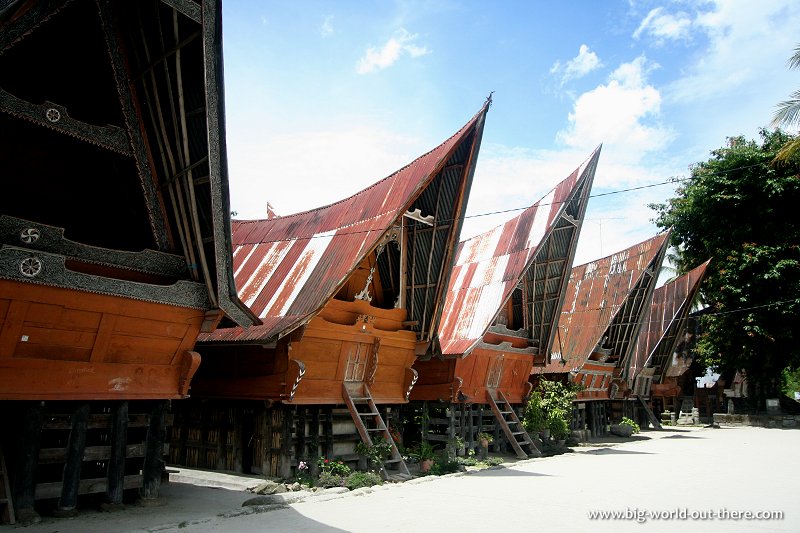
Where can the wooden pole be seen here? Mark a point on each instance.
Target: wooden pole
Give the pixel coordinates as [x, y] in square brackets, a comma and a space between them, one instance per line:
[27, 459]
[76, 443]
[284, 466]
[153, 455]
[116, 461]
[237, 439]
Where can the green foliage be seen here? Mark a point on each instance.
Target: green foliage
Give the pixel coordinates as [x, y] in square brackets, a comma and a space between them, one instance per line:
[334, 467]
[741, 211]
[329, 479]
[790, 381]
[422, 452]
[471, 460]
[380, 450]
[550, 407]
[485, 436]
[558, 423]
[441, 468]
[357, 480]
[628, 422]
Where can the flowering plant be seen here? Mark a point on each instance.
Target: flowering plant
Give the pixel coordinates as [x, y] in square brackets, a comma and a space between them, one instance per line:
[333, 467]
[303, 475]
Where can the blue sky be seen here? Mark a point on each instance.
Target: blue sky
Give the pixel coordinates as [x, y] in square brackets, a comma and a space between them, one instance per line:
[325, 98]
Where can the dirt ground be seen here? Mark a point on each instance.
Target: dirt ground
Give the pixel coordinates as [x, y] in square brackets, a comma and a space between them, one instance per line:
[692, 473]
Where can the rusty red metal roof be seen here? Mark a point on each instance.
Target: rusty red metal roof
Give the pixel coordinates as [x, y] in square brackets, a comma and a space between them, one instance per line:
[287, 268]
[600, 293]
[488, 267]
[665, 322]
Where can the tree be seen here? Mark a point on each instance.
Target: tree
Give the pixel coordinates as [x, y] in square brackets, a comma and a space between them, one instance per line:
[743, 213]
[788, 115]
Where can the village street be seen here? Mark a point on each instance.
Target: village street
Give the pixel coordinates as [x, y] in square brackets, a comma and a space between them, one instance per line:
[710, 474]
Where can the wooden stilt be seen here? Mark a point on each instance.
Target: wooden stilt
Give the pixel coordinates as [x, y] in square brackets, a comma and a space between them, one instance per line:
[76, 445]
[300, 431]
[27, 461]
[236, 440]
[116, 461]
[153, 455]
[6, 503]
[284, 465]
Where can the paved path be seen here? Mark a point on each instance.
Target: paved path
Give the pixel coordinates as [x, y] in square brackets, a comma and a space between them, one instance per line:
[700, 472]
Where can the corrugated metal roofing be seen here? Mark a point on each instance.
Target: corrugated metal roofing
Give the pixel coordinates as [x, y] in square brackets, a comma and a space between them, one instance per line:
[490, 266]
[598, 293]
[287, 268]
[666, 321]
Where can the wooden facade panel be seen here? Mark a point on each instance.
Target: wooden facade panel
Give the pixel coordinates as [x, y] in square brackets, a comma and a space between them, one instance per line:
[63, 317]
[323, 391]
[391, 374]
[434, 371]
[56, 352]
[393, 355]
[155, 328]
[317, 350]
[58, 337]
[386, 392]
[323, 371]
[141, 349]
[56, 380]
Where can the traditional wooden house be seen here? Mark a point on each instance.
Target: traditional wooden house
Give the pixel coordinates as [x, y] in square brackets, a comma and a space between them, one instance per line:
[603, 311]
[658, 364]
[499, 317]
[349, 294]
[115, 236]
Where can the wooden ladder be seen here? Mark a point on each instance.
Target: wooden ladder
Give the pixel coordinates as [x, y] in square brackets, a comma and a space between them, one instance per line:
[650, 415]
[512, 427]
[6, 504]
[369, 423]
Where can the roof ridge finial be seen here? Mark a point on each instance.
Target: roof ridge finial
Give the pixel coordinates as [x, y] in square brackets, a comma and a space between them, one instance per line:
[489, 99]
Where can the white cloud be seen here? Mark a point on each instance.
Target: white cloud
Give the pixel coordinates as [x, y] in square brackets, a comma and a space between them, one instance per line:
[267, 167]
[664, 26]
[402, 42]
[748, 44]
[326, 30]
[577, 67]
[622, 114]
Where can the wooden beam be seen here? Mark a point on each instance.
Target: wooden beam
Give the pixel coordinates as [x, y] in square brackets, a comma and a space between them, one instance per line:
[133, 124]
[56, 117]
[76, 443]
[34, 15]
[27, 458]
[187, 8]
[117, 454]
[154, 453]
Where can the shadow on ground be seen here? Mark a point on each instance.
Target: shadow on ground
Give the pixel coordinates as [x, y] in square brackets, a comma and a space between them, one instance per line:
[616, 451]
[508, 472]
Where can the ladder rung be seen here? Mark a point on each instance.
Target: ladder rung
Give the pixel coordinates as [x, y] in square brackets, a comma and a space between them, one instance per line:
[376, 429]
[392, 461]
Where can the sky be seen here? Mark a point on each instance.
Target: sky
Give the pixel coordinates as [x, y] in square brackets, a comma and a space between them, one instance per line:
[325, 98]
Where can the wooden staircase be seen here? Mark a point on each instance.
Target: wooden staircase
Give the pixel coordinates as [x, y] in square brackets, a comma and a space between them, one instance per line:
[650, 415]
[6, 505]
[370, 424]
[512, 427]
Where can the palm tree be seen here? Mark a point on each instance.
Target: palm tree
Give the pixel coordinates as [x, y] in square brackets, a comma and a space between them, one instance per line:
[788, 114]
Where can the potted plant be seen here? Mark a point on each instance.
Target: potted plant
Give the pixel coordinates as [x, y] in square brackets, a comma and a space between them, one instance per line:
[485, 439]
[426, 454]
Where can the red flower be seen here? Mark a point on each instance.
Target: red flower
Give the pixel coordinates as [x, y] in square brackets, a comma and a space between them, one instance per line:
[327, 461]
